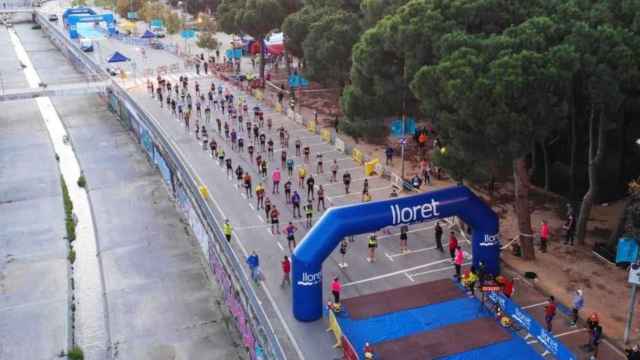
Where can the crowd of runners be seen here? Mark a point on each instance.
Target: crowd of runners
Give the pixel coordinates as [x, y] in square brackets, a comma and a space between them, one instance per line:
[223, 123]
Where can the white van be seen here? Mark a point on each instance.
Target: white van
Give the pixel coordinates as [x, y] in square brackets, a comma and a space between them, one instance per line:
[86, 45]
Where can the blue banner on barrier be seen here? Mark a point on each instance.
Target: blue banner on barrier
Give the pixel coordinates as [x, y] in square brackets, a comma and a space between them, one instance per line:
[233, 53]
[553, 345]
[162, 166]
[145, 140]
[627, 250]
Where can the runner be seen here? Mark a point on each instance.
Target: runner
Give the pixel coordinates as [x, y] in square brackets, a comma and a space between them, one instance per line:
[250, 150]
[213, 145]
[310, 187]
[220, 156]
[270, 149]
[344, 244]
[240, 144]
[286, 269]
[319, 168]
[291, 240]
[321, 198]
[229, 166]
[263, 168]
[287, 191]
[334, 171]
[275, 176]
[295, 202]
[239, 175]
[306, 151]
[302, 173]
[283, 158]
[404, 229]
[259, 196]
[267, 208]
[247, 184]
[346, 180]
[290, 164]
[263, 141]
[365, 188]
[298, 146]
[372, 244]
[275, 221]
[308, 211]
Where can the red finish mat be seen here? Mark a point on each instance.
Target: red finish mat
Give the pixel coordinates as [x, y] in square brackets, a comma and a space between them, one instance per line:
[448, 340]
[410, 297]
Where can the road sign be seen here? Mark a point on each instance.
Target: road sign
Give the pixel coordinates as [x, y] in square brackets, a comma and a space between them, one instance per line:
[403, 141]
[132, 15]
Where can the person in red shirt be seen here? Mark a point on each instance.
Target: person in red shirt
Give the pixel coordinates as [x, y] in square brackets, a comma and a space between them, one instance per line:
[544, 236]
[286, 270]
[453, 244]
[335, 289]
[550, 313]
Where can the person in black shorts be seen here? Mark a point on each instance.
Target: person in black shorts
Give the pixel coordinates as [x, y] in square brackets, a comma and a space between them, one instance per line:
[310, 183]
[229, 166]
[306, 151]
[287, 191]
[250, 150]
[346, 179]
[298, 146]
[270, 149]
[263, 141]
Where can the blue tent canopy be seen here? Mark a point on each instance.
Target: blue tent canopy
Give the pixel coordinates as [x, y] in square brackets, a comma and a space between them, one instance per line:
[148, 35]
[117, 57]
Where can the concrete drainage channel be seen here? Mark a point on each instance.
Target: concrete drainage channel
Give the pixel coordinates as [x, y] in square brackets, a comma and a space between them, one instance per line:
[87, 302]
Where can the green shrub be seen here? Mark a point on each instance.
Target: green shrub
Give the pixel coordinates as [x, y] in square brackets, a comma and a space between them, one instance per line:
[75, 354]
[70, 225]
[82, 181]
[72, 256]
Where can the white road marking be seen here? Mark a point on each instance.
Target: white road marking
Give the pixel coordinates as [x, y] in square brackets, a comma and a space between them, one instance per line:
[408, 232]
[280, 246]
[394, 273]
[535, 305]
[410, 277]
[391, 256]
[437, 270]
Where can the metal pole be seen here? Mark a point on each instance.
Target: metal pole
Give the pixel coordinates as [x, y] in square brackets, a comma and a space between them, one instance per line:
[632, 306]
[404, 116]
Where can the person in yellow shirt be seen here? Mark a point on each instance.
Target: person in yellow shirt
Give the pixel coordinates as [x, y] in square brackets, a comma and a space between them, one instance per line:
[302, 173]
[227, 229]
[469, 280]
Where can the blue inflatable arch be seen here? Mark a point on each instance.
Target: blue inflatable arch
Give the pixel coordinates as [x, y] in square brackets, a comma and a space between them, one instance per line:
[339, 222]
[72, 17]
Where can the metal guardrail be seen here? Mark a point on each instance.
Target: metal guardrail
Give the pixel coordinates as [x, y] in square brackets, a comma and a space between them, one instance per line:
[189, 179]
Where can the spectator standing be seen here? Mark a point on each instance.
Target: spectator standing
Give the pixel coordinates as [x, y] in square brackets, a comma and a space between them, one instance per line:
[438, 234]
[544, 236]
[388, 152]
[286, 270]
[227, 229]
[404, 229]
[275, 176]
[577, 304]
[457, 262]
[254, 265]
[295, 201]
[308, 211]
[453, 244]
[275, 220]
[550, 313]
[570, 229]
[336, 287]
[596, 337]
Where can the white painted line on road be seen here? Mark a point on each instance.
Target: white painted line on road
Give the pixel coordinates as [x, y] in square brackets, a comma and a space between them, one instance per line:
[391, 256]
[535, 305]
[280, 246]
[408, 232]
[260, 217]
[437, 270]
[251, 206]
[394, 273]
[388, 256]
[410, 277]
[358, 193]
[352, 181]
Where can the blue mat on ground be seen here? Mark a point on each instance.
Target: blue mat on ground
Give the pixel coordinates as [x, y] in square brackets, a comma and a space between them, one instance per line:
[89, 31]
[403, 323]
[516, 348]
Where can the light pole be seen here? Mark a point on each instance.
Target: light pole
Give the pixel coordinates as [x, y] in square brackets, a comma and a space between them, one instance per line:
[403, 140]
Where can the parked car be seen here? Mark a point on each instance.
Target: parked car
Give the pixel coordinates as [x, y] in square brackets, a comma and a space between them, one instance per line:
[53, 17]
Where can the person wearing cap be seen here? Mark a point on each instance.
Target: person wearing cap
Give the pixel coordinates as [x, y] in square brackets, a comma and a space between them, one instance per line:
[227, 229]
[577, 304]
[592, 322]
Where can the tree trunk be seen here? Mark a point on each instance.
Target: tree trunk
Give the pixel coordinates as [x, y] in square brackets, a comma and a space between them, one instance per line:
[262, 50]
[521, 179]
[572, 146]
[596, 156]
[545, 159]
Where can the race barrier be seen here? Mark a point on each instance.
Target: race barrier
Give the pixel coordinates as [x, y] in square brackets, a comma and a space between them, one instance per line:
[357, 156]
[311, 126]
[535, 329]
[325, 135]
[334, 327]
